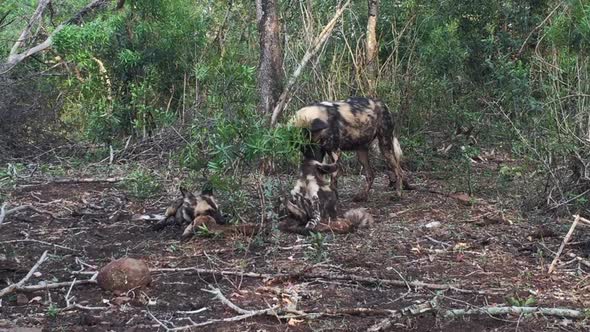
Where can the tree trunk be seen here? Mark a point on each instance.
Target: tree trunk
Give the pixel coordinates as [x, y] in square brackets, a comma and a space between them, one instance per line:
[270, 72]
[372, 64]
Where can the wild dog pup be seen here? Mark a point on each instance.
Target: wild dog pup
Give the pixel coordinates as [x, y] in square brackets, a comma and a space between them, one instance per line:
[352, 125]
[312, 198]
[191, 209]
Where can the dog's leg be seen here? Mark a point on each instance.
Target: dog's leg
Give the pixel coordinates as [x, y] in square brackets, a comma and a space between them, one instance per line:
[391, 151]
[315, 214]
[363, 157]
[333, 157]
[188, 231]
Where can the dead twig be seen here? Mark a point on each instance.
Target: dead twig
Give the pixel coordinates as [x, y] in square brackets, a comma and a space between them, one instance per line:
[70, 306]
[192, 312]
[565, 241]
[244, 314]
[41, 242]
[19, 285]
[219, 296]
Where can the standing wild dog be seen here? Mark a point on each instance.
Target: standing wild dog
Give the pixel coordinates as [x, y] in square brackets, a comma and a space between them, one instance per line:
[312, 201]
[352, 125]
[191, 208]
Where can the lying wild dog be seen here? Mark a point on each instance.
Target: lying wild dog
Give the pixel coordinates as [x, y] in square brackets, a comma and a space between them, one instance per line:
[352, 125]
[190, 207]
[312, 204]
[312, 198]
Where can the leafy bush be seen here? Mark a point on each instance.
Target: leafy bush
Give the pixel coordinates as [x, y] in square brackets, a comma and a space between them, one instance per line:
[141, 184]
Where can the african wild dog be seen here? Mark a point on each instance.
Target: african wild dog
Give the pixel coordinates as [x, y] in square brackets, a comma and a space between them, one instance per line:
[191, 208]
[312, 201]
[312, 198]
[352, 125]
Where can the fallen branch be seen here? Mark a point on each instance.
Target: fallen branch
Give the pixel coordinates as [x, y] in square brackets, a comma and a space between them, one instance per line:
[579, 259]
[206, 323]
[331, 276]
[489, 310]
[583, 220]
[74, 181]
[412, 310]
[41, 242]
[34, 288]
[316, 46]
[494, 311]
[283, 313]
[19, 284]
[565, 241]
[6, 213]
[89, 180]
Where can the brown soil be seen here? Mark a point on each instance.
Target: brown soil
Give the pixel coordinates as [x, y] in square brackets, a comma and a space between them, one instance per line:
[476, 245]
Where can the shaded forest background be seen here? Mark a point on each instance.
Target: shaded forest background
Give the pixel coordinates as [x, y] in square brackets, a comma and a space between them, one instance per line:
[467, 80]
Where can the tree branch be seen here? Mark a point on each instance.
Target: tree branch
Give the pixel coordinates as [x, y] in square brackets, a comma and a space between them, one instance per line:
[494, 311]
[27, 30]
[565, 241]
[16, 58]
[317, 45]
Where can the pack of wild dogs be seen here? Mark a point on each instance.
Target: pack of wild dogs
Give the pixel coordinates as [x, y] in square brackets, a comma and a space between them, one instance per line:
[330, 127]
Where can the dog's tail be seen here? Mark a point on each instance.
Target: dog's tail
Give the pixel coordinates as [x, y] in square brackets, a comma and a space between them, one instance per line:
[359, 218]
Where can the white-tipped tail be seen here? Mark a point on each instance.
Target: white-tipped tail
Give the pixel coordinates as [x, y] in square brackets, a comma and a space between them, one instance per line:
[359, 217]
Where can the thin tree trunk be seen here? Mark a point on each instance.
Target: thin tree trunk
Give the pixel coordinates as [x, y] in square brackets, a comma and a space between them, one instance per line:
[372, 46]
[270, 72]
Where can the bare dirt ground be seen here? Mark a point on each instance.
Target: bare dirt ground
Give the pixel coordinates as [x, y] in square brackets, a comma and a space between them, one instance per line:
[492, 253]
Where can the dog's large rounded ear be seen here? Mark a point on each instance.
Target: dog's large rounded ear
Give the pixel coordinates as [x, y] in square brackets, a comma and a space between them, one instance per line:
[327, 168]
[185, 193]
[207, 189]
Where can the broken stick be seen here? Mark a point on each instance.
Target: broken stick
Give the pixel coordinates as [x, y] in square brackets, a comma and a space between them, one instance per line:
[565, 241]
[19, 284]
